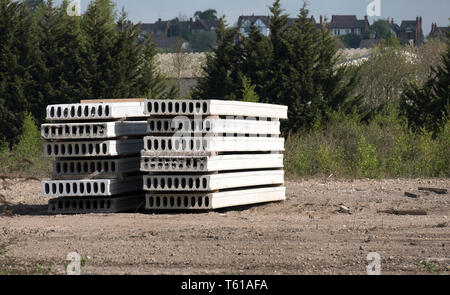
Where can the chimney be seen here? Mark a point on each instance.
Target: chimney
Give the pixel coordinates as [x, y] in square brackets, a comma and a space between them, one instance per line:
[366, 18]
[392, 21]
[159, 19]
[321, 19]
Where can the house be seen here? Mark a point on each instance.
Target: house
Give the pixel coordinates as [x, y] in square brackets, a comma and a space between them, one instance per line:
[438, 31]
[411, 30]
[341, 25]
[203, 26]
[393, 28]
[262, 22]
[159, 28]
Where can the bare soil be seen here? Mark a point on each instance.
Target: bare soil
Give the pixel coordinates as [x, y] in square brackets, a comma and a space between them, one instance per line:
[306, 234]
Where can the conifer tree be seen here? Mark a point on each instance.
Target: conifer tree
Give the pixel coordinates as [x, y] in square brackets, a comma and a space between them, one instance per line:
[222, 72]
[98, 26]
[18, 53]
[280, 50]
[257, 50]
[428, 106]
[150, 82]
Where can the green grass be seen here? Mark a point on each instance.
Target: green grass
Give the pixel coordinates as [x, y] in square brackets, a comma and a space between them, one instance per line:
[384, 148]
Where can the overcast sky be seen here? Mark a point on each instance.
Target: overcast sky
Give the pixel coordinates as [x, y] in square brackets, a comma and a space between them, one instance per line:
[150, 10]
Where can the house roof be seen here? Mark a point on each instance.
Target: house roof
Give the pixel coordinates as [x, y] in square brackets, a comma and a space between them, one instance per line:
[346, 21]
[253, 18]
[157, 26]
[204, 25]
[408, 24]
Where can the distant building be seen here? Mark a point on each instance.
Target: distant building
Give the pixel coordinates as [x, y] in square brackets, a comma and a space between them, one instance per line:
[341, 25]
[203, 26]
[159, 28]
[439, 32]
[261, 22]
[411, 30]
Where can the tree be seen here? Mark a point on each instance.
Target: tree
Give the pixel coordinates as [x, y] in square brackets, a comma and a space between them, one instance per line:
[222, 74]
[18, 55]
[351, 40]
[428, 106]
[209, 15]
[256, 55]
[150, 82]
[33, 4]
[380, 29]
[280, 50]
[98, 26]
[203, 41]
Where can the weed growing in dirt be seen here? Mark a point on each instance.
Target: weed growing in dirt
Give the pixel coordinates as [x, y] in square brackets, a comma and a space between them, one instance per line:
[2, 249]
[26, 158]
[429, 267]
[441, 225]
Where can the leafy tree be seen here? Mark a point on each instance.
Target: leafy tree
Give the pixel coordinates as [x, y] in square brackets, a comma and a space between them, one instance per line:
[209, 15]
[428, 106]
[29, 141]
[351, 40]
[381, 29]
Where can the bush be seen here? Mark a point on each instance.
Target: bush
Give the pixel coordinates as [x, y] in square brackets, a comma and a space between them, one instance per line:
[26, 157]
[383, 148]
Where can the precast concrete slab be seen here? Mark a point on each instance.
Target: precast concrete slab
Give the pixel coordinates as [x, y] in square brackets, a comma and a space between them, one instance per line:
[163, 145]
[212, 182]
[213, 126]
[210, 201]
[95, 111]
[105, 148]
[93, 130]
[77, 205]
[80, 169]
[91, 187]
[174, 164]
[214, 108]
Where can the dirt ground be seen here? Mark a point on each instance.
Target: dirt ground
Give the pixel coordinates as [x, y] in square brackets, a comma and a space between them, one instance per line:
[306, 234]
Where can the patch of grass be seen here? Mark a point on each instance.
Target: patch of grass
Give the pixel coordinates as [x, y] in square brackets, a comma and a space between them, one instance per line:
[441, 225]
[2, 249]
[383, 148]
[429, 267]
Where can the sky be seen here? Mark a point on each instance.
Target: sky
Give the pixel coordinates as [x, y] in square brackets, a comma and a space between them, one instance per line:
[148, 11]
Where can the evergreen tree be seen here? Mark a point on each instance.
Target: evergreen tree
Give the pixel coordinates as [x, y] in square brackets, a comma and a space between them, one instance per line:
[98, 26]
[150, 82]
[280, 50]
[256, 57]
[428, 106]
[18, 53]
[336, 84]
[222, 72]
[299, 87]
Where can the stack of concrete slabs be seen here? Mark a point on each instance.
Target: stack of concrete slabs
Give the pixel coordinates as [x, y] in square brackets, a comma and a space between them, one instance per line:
[96, 147]
[210, 154]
